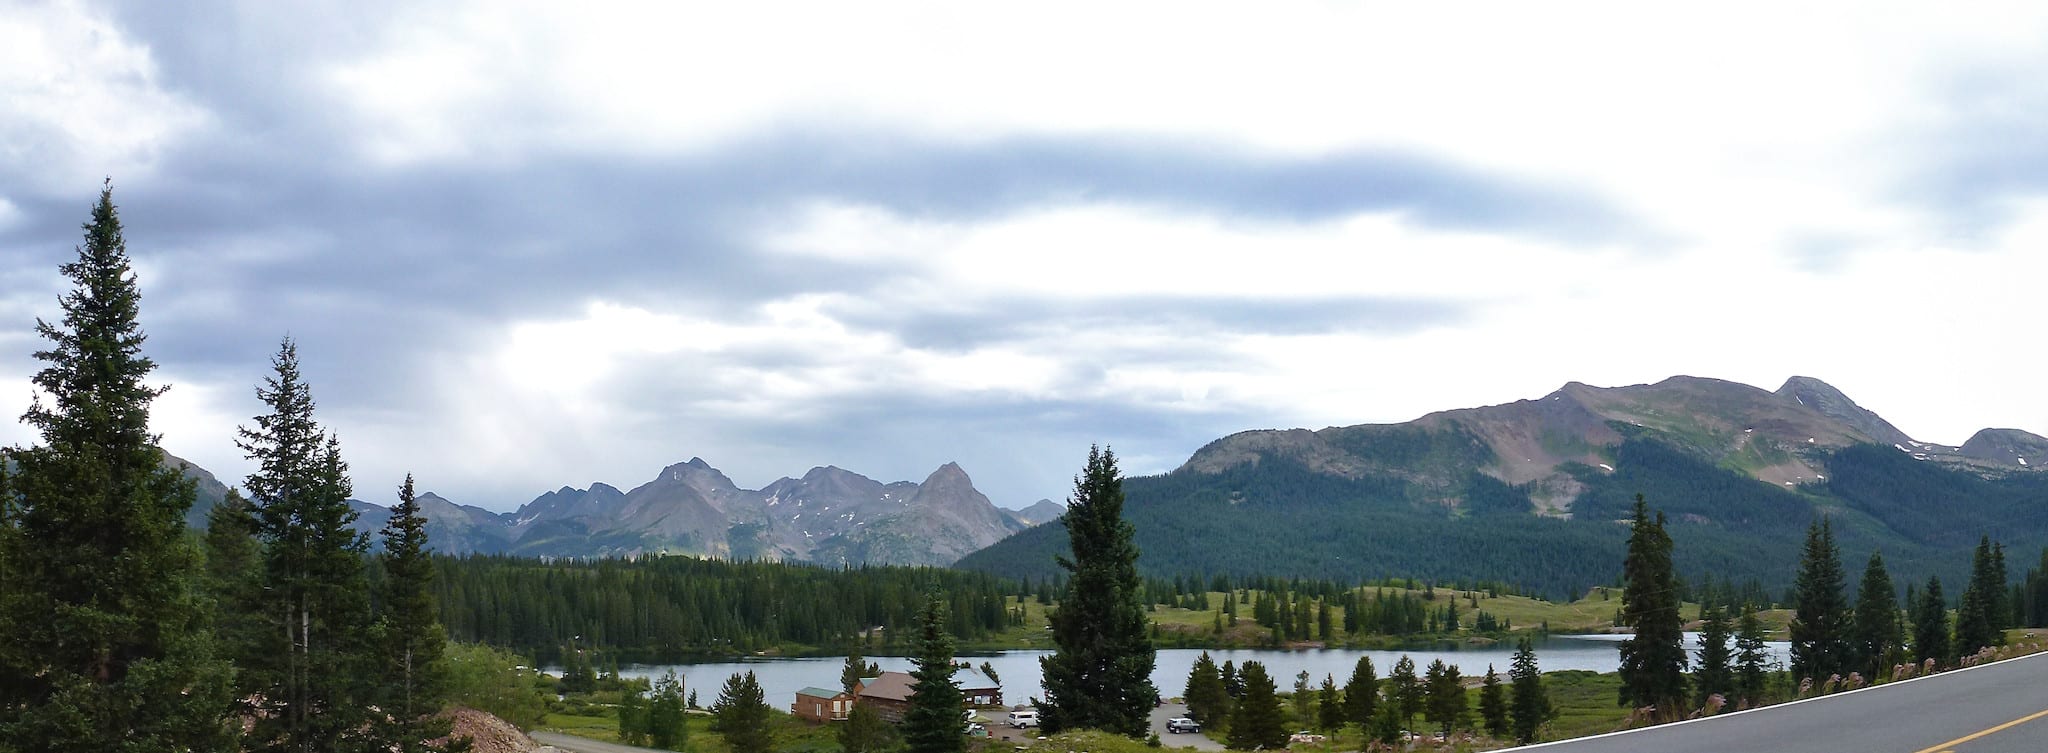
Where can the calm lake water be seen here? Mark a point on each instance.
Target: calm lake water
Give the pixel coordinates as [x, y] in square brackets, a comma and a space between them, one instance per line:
[781, 677]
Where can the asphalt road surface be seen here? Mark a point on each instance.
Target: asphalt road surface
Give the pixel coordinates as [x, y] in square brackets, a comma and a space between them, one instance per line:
[584, 744]
[1996, 708]
[1195, 740]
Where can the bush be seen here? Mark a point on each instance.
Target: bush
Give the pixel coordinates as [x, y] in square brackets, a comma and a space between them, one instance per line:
[496, 682]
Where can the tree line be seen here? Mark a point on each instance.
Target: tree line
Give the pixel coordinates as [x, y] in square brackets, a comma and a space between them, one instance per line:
[661, 609]
[1835, 644]
[124, 633]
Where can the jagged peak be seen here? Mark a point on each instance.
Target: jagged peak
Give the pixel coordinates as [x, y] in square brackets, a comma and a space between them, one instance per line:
[950, 472]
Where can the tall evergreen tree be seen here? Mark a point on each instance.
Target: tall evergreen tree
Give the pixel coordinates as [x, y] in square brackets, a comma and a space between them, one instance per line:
[1529, 700]
[1820, 619]
[741, 715]
[1361, 694]
[234, 576]
[107, 644]
[1257, 721]
[857, 669]
[1208, 701]
[1653, 659]
[1493, 704]
[1404, 690]
[1930, 625]
[1447, 707]
[1752, 658]
[314, 675]
[1100, 676]
[1329, 705]
[1716, 672]
[414, 678]
[932, 725]
[1978, 617]
[1874, 634]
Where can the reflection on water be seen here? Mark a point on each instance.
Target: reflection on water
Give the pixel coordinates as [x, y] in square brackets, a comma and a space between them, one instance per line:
[782, 677]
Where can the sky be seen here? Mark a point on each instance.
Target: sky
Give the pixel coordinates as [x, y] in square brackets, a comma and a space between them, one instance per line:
[523, 245]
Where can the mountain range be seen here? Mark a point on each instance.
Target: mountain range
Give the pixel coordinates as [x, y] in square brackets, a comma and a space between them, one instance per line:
[829, 516]
[1530, 492]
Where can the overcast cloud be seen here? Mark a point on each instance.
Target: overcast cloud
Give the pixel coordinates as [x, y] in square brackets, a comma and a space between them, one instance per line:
[523, 245]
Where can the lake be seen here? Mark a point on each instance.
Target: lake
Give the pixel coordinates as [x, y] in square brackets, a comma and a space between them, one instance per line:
[780, 678]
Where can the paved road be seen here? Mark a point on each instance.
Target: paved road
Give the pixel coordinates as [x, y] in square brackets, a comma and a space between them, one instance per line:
[1927, 715]
[584, 744]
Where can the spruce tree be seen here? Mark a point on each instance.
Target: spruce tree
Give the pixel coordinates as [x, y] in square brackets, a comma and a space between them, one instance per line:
[1530, 701]
[1930, 625]
[1257, 721]
[1653, 659]
[1100, 676]
[857, 669]
[1447, 706]
[1716, 672]
[1820, 620]
[234, 576]
[742, 715]
[932, 725]
[414, 679]
[1404, 690]
[1208, 701]
[1752, 658]
[1361, 694]
[1977, 617]
[1874, 636]
[1493, 704]
[1329, 706]
[314, 671]
[106, 637]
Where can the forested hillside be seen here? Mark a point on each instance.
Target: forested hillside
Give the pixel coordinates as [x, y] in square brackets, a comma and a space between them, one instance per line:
[664, 608]
[1280, 517]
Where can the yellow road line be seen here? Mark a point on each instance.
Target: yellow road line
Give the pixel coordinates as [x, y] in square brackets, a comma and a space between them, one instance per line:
[1944, 747]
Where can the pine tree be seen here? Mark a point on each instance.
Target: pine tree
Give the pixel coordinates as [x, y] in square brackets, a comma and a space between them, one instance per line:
[1930, 625]
[742, 715]
[665, 723]
[1716, 672]
[313, 674]
[1208, 701]
[1329, 707]
[865, 732]
[932, 725]
[1820, 621]
[1404, 690]
[1233, 684]
[414, 674]
[1493, 704]
[234, 577]
[1752, 659]
[1447, 705]
[1653, 660]
[1100, 676]
[1978, 617]
[106, 639]
[1258, 721]
[857, 669]
[1530, 702]
[1874, 634]
[1361, 694]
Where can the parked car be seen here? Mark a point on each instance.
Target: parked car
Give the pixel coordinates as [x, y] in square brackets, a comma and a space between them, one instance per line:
[1022, 719]
[1182, 724]
[1305, 736]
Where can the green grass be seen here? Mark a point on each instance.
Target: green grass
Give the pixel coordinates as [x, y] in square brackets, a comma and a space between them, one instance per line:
[792, 735]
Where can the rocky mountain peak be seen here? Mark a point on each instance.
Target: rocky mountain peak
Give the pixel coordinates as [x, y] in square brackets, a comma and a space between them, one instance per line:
[2009, 448]
[1828, 401]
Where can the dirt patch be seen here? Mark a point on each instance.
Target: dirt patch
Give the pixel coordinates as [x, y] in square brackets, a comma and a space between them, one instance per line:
[489, 733]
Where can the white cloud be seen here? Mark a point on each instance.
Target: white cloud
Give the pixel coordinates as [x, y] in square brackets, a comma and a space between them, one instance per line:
[83, 99]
